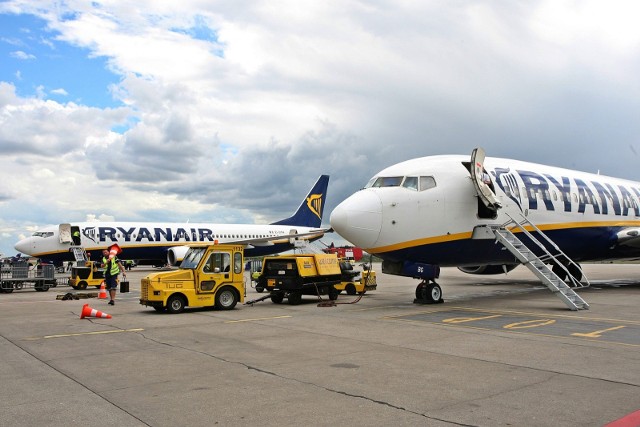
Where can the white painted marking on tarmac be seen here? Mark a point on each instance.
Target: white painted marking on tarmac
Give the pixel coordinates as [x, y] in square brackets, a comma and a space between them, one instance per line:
[258, 319]
[113, 331]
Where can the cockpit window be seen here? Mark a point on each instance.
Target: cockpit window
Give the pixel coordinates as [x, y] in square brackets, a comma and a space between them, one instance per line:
[411, 182]
[427, 182]
[417, 183]
[386, 181]
[43, 234]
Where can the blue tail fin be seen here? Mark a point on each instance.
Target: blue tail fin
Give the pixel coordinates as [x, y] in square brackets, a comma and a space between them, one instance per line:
[309, 214]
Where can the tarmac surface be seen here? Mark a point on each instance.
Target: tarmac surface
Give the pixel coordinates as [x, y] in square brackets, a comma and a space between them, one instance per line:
[501, 351]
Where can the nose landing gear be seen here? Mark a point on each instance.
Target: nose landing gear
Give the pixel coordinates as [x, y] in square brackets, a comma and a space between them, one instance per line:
[428, 292]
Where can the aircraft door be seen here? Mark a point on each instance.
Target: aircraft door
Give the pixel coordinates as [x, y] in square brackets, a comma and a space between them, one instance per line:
[64, 231]
[216, 270]
[482, 181]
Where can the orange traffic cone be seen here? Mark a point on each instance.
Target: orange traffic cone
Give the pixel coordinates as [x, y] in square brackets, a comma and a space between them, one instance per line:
[103, 291]
[114, 250]
[92, 312]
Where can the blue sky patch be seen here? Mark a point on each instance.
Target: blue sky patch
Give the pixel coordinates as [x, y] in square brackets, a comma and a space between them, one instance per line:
[39, 65]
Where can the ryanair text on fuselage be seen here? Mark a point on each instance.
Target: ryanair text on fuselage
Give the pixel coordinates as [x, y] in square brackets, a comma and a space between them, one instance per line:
[600, 196]
[166, 234]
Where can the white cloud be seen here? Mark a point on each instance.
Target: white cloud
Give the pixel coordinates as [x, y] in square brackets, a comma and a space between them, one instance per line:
[22, 55]
[235, 104]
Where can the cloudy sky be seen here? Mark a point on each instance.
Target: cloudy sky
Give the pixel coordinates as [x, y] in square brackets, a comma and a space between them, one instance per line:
[228, 111]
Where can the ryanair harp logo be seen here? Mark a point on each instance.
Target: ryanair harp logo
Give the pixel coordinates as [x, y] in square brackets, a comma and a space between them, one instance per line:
[314, 202]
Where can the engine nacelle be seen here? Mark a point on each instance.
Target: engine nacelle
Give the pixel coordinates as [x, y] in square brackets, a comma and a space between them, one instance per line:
[176, 254]
[488, 269]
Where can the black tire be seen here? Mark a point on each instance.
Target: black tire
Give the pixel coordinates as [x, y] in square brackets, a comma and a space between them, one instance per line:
[81, 286]
[575, 271]
[295, 298]
[226, 298]
[560, 272]
[333, 293]
[429, 292]
[277, 298]
[176, 304]
[41, 287]
[350, 289]
[259, 289]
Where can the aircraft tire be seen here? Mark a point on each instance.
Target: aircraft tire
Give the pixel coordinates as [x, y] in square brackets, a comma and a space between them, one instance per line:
[226, 298]
[431, 293]
[559, 271]
[575, 271]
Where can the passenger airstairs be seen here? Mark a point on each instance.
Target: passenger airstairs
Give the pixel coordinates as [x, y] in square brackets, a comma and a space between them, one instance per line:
[540, 265]
[79, 253]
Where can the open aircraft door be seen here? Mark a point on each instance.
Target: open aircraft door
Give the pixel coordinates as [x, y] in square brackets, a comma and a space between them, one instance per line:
[64, 231]
[485, 193]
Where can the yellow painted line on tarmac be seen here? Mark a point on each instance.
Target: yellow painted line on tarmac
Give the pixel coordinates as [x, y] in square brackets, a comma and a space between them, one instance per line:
[113, 331]
[258, 319]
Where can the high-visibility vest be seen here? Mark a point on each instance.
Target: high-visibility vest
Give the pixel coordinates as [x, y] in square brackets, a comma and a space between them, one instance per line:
[115, 268]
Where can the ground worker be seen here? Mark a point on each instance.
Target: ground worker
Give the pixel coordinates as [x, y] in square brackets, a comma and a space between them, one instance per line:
[112, 268]
[76, 237]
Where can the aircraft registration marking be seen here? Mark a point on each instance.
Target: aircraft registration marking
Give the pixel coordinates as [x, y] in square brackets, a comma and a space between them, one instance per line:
[608, 330]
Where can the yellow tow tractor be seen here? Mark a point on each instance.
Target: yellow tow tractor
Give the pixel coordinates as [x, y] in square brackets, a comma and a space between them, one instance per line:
[210, 275]
[84, 274]
[351, 283]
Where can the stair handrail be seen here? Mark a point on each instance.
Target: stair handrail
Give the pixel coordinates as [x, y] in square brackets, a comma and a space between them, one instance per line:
[557, 262]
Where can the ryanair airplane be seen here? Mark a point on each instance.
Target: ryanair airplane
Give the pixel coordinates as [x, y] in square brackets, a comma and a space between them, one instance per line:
[447, 211]
[160, 243]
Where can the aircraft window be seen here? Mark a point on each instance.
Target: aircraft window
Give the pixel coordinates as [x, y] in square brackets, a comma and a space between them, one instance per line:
[427, 182]
[575, 197]
[43, 234]
[555, 196]
[388, 181]
[411, 182]
[371, 181]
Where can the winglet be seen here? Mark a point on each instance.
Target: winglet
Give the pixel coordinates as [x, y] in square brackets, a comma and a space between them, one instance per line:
[309, 214]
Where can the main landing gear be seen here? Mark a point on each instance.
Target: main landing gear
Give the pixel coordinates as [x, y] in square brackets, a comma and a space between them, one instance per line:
[428, 292]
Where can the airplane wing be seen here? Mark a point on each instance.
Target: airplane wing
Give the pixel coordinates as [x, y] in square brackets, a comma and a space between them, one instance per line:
[629, 236]
[270, 241]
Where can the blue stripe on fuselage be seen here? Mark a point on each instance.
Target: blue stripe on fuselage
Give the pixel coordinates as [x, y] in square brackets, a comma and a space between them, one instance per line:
[580, 244]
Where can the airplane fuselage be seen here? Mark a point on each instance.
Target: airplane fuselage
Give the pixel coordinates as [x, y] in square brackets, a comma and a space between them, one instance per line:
[591, 217]
[152, 241]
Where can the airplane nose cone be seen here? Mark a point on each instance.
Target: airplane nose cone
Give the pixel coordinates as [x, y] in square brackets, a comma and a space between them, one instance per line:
[359, 218]
[23, 246]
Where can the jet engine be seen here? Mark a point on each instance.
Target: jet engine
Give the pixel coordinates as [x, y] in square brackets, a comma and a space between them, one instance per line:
[487, 269]
[176, 254]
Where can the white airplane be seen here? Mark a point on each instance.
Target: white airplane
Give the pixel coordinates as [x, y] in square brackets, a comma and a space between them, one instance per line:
[160, 243]
[445, 210]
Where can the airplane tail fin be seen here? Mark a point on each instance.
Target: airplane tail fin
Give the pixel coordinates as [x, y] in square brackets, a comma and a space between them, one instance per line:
[309, 214]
